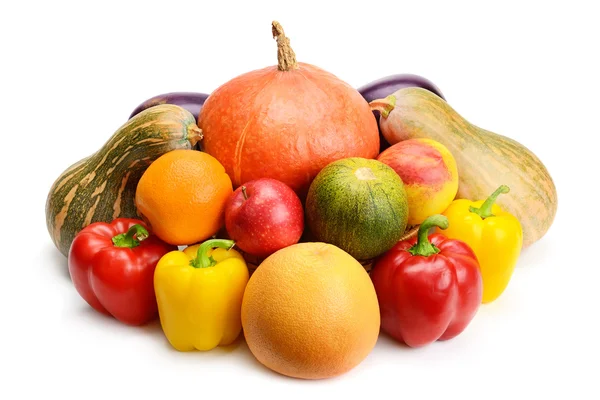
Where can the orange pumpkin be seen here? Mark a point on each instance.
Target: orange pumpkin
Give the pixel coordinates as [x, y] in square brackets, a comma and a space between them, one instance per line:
[286, 122]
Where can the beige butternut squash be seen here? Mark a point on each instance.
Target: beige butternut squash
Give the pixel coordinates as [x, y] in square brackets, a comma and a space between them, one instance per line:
[485, 160]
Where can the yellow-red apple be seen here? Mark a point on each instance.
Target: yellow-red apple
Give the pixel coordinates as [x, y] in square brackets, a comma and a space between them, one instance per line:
[429, 173]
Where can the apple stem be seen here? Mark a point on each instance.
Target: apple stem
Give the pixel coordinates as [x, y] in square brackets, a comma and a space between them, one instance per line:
[244, 193]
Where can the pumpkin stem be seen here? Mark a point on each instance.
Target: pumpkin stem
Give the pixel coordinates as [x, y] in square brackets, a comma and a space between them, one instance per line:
[424, 247]
[286, 58]
[203, 260]
[384, 106]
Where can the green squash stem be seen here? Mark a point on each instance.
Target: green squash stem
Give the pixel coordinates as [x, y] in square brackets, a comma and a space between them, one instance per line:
[384, 106]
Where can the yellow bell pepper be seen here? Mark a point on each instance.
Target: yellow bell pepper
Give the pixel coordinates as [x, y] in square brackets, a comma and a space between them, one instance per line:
[495, 236]
[199, 293]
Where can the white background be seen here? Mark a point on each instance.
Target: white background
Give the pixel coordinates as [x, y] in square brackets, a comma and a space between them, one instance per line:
[71, 73]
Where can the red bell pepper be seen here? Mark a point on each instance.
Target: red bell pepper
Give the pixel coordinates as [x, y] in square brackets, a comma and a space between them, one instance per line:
[112, 268]
[429, 288]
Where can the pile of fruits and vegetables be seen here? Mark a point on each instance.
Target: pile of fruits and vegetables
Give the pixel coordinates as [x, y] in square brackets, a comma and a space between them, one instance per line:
[304, 214]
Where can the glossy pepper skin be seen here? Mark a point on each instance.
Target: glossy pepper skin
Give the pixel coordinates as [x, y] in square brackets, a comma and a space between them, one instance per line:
[112, 268]
[495, 236]
[429, 288]
[199, 292]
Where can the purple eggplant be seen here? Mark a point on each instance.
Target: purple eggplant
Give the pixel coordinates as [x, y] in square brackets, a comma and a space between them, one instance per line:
[383, 87]
[191, 101]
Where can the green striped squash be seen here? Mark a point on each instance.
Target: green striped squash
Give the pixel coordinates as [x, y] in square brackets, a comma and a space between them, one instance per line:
[358, 205]
[101, 187]
[485, 160]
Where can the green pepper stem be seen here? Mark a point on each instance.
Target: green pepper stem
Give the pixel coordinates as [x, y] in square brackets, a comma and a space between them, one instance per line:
[424, 247]
[485, 210]
[203, 260]
[132, 238]
[384, 106]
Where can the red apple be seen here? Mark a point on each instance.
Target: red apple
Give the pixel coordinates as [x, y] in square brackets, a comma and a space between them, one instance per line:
[263, 216]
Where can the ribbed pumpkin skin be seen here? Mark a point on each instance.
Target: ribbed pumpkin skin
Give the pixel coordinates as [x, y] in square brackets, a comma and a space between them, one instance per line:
[286, 125]
[364, 217]
[102, 187]
[485, 159]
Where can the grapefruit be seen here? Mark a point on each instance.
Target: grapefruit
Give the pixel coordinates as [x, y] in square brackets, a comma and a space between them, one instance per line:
[310, 311]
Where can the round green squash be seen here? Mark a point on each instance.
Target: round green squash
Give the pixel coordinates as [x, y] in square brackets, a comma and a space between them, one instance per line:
[358, 205]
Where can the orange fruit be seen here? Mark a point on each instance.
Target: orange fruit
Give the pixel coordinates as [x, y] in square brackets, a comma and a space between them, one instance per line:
[182, 196]
[310, 311]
